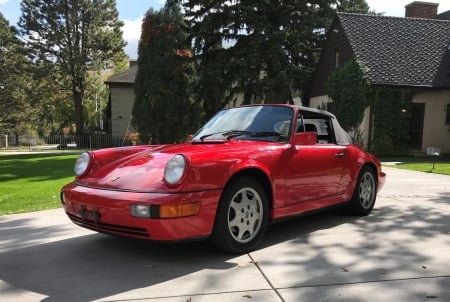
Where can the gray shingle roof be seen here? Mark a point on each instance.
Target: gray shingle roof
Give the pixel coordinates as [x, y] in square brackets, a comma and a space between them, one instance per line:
[400, 51]
[126, 77]
[444, 15]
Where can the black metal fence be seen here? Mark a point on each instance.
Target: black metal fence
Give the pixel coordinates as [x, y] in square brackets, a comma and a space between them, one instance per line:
[61, 142]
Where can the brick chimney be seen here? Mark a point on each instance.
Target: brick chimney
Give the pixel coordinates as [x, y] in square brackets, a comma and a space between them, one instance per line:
[418, 9]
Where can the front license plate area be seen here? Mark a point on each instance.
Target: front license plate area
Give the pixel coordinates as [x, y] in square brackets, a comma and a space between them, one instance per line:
[91, 214]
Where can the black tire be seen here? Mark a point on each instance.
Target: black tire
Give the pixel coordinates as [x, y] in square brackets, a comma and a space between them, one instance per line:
[242, 216]
[365, 194]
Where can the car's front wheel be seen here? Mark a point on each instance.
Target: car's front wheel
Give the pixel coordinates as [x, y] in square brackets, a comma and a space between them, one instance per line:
[242, 216]
[365, 194]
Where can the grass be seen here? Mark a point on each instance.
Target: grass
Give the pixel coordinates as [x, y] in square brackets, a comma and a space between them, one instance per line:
[32, 182]
[422, 164]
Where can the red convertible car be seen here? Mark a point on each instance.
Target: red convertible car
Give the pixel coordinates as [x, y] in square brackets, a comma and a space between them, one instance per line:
[246, 167]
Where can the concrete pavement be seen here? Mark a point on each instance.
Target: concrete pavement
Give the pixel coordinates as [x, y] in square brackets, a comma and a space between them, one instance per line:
[401, 252]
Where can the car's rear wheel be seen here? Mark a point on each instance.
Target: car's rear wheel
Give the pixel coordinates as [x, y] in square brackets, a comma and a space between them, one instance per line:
[365, 194]
[242, 216]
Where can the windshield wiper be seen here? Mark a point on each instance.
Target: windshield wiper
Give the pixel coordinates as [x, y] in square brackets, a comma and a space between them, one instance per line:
[228, 134]
[264, 134]
[235, 133]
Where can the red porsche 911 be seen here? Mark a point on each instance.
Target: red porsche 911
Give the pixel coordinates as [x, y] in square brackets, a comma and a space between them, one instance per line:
[245, 168]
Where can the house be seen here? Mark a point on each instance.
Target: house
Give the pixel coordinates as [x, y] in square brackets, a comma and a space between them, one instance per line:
[121, 100]
[411, 51]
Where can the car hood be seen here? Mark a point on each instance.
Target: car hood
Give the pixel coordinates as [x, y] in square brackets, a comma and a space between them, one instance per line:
[142, 169]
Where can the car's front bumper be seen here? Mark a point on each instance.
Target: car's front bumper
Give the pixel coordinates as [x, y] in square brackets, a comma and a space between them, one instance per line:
[108, 211]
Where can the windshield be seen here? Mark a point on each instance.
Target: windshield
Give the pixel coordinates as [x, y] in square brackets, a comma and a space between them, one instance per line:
[269, 123]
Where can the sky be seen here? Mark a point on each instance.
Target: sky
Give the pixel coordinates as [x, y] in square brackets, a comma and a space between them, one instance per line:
[132, 11]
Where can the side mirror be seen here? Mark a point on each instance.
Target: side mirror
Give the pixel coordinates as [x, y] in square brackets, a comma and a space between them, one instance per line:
[305, 138]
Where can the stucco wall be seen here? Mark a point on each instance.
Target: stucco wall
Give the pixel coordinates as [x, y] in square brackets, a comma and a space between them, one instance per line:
[318, 101]
[122, 99]
[435, 132]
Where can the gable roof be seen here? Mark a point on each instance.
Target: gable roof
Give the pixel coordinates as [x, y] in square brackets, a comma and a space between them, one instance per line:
[400, 51]
[126, 77]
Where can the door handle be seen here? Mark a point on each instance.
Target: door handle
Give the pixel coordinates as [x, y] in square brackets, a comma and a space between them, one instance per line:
[339, 154]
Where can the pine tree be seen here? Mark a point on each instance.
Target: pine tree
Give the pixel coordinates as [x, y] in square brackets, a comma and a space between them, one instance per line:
[261, 50]
[16, 112]
[163, 111]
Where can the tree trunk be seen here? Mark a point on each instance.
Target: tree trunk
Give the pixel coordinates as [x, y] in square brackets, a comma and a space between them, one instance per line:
[79, 118]
[16, 136]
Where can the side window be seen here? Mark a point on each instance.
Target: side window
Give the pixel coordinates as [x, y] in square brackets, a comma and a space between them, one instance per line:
[323, 134]
[336, 59]
[320, 125]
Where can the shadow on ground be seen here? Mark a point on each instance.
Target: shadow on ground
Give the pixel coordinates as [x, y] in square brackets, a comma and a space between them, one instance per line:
[96, 266]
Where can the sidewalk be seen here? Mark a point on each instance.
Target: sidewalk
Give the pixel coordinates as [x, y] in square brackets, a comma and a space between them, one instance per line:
[398, 253]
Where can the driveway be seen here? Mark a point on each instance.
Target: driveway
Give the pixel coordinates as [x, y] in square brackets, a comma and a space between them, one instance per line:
[401, 252]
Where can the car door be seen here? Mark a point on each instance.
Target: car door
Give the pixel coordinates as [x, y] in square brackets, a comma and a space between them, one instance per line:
[315, 172]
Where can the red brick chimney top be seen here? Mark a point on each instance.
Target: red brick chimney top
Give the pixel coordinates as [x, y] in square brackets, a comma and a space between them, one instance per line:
[419, 9]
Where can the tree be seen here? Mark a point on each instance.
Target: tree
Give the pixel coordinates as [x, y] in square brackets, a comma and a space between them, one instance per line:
[353, 6]
[348, 87]
[72, 37]
[52, 99]
[16, 112]
[261, 50]
[163, 111]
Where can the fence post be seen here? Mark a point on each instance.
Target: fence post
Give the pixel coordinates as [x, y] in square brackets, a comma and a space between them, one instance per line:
[6, 141]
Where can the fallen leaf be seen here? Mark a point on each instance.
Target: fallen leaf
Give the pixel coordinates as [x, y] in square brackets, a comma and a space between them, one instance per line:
[344, 269]
[431, 297]
[247, 296]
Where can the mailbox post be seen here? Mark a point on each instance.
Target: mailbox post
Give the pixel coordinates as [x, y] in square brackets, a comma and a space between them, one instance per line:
[434, 152]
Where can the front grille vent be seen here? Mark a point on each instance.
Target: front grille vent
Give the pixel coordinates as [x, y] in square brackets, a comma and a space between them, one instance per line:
[110, 228]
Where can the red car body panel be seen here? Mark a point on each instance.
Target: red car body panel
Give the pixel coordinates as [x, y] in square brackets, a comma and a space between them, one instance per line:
[301, 177]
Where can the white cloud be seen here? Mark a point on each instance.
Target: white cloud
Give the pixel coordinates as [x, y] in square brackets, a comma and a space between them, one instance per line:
[131, 34]
[3, 1]
[132, 29]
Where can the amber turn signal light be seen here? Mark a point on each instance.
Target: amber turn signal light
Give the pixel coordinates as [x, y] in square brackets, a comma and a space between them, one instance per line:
[179, 210]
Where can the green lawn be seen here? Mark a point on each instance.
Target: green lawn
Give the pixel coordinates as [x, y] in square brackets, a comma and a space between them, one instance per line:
[31, 182]
[425, 164]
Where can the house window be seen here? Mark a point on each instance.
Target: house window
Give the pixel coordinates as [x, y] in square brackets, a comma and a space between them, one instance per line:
[447, 119]
[336, 59]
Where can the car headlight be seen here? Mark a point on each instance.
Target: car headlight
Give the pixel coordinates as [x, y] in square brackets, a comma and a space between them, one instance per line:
[174, 169]
[82, 163]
